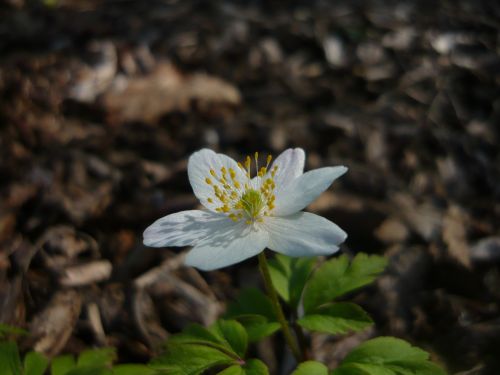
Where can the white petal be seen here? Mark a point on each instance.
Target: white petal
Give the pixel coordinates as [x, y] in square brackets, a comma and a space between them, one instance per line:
[185, 228]
[199, 165]
[303, 234]
[226, 248]
[305, 189]
[290, 165]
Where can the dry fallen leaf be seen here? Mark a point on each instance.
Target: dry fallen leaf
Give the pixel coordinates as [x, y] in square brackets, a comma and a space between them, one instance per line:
[51, 329]
[165, 89]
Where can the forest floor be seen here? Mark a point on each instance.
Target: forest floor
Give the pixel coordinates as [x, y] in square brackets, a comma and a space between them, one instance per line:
[102, 103]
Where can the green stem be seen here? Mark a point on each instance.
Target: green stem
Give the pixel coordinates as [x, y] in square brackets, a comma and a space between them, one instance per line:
[302, 341]
[264, 270]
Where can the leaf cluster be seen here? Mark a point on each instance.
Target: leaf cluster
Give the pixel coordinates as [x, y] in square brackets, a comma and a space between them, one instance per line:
[221, 347]
[89, 362]
[315, 299]
[379, 356]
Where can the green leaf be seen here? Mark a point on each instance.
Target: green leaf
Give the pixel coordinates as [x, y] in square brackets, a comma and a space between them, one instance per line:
[232, 370]
[251, 301]
[6, 330]
[336, 318]
[289, 275]
[62, 365]
[387, 356]
[223, 335]
[416, 367]
[385, 350]
[191, 359]
[337, 277]
[90, 370]
[97, 357]
[311, 368]
[257, 326]
[362, 369]
[133, 369]
[35, 364]
[9, 359]
[250, 367]
[255, 367]
[254, 311]
[233, 333]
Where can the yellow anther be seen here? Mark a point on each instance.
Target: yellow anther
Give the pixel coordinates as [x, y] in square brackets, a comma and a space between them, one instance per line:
[236, 184]
[262, 171]
[248, 222]
[212, 172]
[269, 158]
[210, 200]
[232, 173]
[223, 170]
[241, 166]
[208, 181]
[233, 217]
[273, 172]
[248, 162]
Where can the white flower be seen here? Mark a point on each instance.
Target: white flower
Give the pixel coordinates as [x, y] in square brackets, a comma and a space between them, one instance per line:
[244, 215]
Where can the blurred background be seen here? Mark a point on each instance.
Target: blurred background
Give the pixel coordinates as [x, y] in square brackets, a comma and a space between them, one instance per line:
[103, 101]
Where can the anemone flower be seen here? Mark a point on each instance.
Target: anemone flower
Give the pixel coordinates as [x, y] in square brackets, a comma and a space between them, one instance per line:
[243, 215]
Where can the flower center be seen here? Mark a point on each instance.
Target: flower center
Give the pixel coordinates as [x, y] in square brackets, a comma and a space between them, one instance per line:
[244, 198]
[252, 202]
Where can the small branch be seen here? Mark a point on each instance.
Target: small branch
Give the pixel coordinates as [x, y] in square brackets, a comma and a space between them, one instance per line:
[292, 343]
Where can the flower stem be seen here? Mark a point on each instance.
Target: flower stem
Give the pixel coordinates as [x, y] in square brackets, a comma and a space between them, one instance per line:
[292, 343]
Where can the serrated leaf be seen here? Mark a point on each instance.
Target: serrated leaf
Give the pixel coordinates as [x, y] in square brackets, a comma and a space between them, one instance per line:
[259, 331]
[289, 276]
[9, 359]
[233, 333]
[97, 357]
[417, 367]
[257, 326]
[336, 318]
[35, 363]
[311, 368]
[387, 356]
[251, 301]
[192, 359]
[133, 369]
[62, 364]
[223, 335]
[254, 311]
[337, 277]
